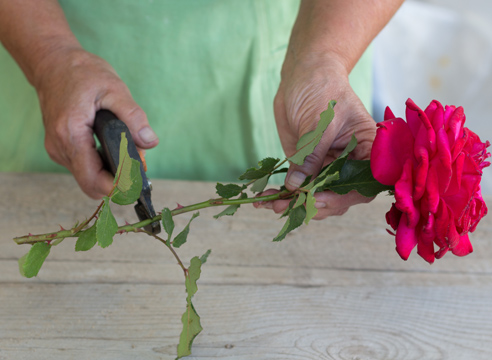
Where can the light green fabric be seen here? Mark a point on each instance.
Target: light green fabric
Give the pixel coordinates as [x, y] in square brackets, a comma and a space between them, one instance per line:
[204, 71]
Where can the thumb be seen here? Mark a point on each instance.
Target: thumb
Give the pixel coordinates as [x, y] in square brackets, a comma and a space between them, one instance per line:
[136, 120]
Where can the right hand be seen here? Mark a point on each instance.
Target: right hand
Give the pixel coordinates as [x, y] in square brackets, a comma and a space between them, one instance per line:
[73, 85]
[303, 94]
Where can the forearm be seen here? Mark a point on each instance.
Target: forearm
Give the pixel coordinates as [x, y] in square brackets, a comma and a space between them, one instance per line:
[337, 29]
[32, 30]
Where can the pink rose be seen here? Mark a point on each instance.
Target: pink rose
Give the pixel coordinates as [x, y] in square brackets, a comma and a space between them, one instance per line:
[435, 164]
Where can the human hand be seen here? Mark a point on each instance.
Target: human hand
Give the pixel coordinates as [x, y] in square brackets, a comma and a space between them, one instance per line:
[73, 85]
[303, 94]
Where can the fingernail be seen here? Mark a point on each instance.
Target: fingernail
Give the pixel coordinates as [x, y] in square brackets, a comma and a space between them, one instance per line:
[296, 179]
[319, 205]
[265, 205]
[147, 135]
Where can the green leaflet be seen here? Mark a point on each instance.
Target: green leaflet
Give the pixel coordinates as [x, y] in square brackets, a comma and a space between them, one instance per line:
[357, 175]
[289, 208]
[280, 171]
[133, 193]
[260, 184]
[57, 241]
[323, 181]
[311, 210]
[128, 179]
[331, 171]
[194, 272]
[204, 257]
[229, 190]
[308, 142]
[167, 224]
[87, 239]
[191, 328]
[231, 209]
[181, 238]
[106, 225]
[265, 167]
[228, 211]
[30, 264]
[349, 148]
[122, 178]
[301, 198]
[296, 217]
[190, 318]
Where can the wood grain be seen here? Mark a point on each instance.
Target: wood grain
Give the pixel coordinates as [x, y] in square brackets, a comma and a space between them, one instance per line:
[333, 290]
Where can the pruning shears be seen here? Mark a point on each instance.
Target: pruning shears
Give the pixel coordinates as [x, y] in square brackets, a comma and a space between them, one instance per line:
[108, 129]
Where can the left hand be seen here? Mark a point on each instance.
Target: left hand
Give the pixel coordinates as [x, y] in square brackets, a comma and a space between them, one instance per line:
[303, 95]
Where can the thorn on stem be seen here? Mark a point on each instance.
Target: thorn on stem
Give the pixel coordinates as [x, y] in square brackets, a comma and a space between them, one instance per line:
[178, 206]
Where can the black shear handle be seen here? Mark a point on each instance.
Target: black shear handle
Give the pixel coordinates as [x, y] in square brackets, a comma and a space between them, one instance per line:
[108, 129]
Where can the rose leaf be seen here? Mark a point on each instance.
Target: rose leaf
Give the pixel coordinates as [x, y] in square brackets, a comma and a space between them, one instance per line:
[106, 225]
[30, 264]
[86, 240]
[181, 238]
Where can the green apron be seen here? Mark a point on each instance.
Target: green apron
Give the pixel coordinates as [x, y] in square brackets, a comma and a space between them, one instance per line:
[204, 71]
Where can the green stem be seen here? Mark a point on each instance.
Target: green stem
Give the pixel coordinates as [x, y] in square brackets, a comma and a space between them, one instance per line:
[76, 232]
[180, 263]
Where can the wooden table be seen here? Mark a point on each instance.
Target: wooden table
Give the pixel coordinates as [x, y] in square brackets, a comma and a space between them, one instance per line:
[335, 289]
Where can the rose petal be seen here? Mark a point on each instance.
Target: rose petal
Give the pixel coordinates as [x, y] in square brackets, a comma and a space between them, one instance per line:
[412, 116]
[426, 136]
[435, 113]
[444, 167]
[441, 252]
[458, 144]
[464, 247]
[442, 221]
[405, 239]
[421, 173]
[455, 184]
[448, 111]
[425, 247]
[480, 209]
[403, 195]
[388, 114]
[453, 237]
[392, 147]
[456, 121]
[426, 251]
[432, 197]
[393, 217]
[463, 204]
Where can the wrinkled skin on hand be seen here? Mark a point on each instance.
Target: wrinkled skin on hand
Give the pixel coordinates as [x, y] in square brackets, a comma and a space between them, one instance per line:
[303, 95]
[73, 86]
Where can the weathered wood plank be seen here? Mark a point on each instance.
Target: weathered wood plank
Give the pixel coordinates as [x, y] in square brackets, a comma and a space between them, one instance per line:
[83, 321]
[87, 272]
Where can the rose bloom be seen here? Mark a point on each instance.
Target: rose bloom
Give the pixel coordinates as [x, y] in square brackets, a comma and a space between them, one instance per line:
[435, 165]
